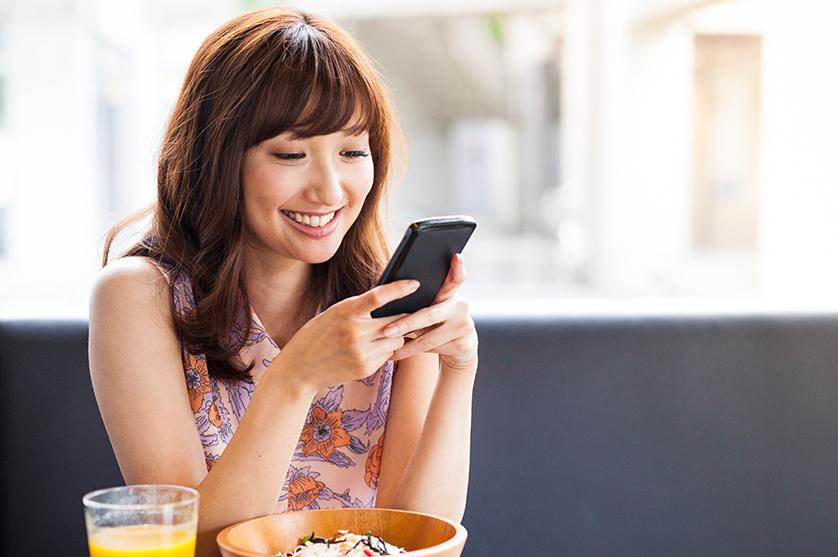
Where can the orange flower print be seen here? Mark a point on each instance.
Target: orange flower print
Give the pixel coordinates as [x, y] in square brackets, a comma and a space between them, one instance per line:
[373, 466]
[214, 415]
[210, 460]
[303, 491]
[323, 433]
[197, 380]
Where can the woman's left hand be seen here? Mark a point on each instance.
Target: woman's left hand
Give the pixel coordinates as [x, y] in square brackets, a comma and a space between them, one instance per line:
[445, 327]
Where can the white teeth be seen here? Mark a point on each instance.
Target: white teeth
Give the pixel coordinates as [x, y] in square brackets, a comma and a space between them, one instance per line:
[313, 221]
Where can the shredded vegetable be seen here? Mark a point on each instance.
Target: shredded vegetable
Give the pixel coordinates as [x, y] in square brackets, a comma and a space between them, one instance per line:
[342, 544]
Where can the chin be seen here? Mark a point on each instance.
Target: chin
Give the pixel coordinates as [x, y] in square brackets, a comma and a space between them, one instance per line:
[315, 257]
[313, 260]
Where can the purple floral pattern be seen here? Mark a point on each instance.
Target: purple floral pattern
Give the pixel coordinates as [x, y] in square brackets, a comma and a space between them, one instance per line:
[378, 416]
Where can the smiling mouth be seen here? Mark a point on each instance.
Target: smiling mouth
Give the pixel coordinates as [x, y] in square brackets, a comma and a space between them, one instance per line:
[312, 221]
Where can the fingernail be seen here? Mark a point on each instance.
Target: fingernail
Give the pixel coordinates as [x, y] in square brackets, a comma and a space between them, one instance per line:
[391, 331]
[413, 285]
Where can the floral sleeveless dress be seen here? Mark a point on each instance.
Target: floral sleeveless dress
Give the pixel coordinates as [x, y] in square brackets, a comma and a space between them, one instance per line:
[337, 459]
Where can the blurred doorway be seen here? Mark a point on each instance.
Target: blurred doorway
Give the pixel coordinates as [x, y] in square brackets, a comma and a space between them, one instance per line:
[726, 143]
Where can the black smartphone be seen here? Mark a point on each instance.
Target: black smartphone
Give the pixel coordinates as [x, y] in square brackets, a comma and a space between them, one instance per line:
[425, 254]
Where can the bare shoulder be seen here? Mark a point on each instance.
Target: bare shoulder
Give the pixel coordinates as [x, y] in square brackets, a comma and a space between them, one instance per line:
[131, 286]
[131, 329]
[130, 273]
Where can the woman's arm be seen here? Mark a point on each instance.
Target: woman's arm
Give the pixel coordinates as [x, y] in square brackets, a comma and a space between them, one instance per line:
[138, 378]
[137, 374]
[414, 381]
[425, 461]
[435, 479]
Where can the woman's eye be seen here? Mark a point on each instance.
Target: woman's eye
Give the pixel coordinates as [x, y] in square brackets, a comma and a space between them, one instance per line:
[289, 156]
[355, 154]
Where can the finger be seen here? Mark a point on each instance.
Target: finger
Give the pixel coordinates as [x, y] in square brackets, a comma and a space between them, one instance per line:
[374, 326]
[434, 338]
[429, 342]
[379, 296]
[445, 290]
[422, 331]
[461, 268]
[419, 332]
[422, 318]
[456, 276]
[387, 319]
[384, 347]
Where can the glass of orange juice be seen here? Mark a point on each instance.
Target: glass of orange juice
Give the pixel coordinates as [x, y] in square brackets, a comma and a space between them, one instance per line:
[147, 520]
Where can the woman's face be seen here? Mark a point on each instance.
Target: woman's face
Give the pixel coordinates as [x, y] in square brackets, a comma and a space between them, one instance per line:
[286, 179]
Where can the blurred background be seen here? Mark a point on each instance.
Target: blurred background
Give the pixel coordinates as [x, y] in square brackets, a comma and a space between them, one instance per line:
[615, 153]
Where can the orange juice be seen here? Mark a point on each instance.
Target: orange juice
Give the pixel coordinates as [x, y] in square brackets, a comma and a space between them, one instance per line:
[145, 541]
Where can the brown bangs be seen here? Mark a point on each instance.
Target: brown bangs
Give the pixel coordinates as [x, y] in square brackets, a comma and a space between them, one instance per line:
[313, 88]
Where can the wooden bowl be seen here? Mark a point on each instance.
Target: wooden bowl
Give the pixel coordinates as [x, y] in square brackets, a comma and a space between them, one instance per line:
[422, 535]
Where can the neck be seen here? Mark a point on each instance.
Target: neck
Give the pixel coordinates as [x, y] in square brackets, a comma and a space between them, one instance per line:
[280, 291]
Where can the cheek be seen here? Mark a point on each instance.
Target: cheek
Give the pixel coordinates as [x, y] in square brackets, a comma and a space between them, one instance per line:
[362, 179]
[254, 198]
[264, 190]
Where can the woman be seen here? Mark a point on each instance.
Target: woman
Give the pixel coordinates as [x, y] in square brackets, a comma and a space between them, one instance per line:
[252, 290]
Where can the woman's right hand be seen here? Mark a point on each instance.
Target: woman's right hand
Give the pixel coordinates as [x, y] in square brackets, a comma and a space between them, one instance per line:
[344, 342]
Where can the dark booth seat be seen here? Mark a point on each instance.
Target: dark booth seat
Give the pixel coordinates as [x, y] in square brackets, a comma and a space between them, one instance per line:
[649, 435]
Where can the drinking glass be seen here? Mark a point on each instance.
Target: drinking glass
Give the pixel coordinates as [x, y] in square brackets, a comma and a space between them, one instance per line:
[148, 520]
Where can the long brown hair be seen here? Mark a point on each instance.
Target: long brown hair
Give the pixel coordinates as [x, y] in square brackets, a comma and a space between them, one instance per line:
[260, 74]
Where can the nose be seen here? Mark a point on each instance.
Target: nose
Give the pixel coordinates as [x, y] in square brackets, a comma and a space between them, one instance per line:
[325, 184]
